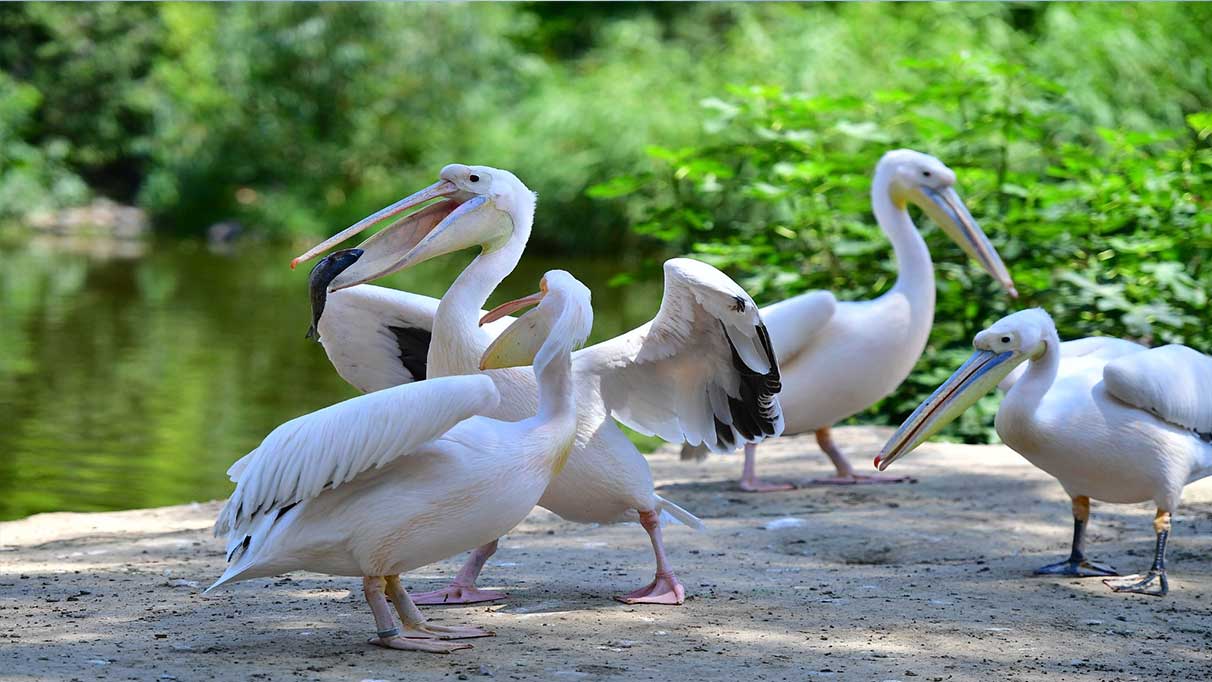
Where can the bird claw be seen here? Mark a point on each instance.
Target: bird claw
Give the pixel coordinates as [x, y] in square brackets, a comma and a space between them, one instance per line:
[862, 479]
[432, 631]
[664, 590]
[431, 646]
[457, 594]
[1154, 584]
[757, 485]
[1077, 569]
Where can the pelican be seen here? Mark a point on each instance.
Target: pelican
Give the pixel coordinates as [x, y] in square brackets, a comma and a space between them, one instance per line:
[839, 358]
[398, 479]
[1111, 420]
[701, 371]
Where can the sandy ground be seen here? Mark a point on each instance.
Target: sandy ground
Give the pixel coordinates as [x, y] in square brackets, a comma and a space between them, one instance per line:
[925, 581]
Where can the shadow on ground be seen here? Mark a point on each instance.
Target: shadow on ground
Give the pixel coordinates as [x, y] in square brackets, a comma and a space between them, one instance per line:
[925, 581]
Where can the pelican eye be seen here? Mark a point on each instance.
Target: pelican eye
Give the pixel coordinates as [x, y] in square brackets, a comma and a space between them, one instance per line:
[1005, 339]
[926, 173]
[473, 177]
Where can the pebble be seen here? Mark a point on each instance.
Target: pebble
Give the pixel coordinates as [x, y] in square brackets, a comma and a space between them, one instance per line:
[785, 522]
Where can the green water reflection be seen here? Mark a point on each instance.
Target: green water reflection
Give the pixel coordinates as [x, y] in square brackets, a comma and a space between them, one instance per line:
[132, 378]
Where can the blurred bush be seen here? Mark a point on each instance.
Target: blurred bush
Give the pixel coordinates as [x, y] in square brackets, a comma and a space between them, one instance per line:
[1108, 229]
[300, 118]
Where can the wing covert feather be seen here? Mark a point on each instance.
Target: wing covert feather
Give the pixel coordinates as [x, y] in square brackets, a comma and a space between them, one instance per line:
[702, 371]
[377, 337]
[331, 446]
[1172, 382]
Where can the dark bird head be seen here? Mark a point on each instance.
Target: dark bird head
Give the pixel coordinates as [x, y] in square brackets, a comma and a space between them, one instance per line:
[317, 283]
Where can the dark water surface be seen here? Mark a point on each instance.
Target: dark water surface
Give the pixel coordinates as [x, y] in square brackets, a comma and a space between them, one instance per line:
[133, 375]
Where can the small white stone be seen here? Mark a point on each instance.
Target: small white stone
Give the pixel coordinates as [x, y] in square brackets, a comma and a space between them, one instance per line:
[785, 522]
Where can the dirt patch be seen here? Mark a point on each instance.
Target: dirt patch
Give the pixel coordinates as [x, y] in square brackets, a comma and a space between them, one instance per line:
[929, 581]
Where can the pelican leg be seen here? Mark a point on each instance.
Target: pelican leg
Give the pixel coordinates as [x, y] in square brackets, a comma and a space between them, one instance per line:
[388, 635]
[463, 590]
[1154, 583]
[415, 624]
[664, 588]
[845, 472]
[750, 483]
[1077, 565]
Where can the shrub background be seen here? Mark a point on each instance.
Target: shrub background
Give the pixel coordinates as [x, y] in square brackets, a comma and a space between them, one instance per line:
[742, 133]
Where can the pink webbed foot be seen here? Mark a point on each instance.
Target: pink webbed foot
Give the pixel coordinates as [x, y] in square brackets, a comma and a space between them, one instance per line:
[431, 646]
[457, 594]
[757, 485]
[664, 589]
[429, 630]
[861, 479]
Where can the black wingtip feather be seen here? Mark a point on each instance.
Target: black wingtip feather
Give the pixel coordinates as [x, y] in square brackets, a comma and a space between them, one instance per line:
[414, 349]
[754, 414]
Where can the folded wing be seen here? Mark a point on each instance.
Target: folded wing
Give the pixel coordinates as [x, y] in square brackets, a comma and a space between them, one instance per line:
[378, 337]
[702, 371]
[1172, 382]
[326, 448]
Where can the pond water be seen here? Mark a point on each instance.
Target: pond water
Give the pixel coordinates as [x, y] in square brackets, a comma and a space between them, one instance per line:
[132, 375]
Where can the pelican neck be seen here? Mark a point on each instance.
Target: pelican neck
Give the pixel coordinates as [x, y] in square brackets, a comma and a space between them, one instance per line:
[915, 270]
[1028, 392]
[457, 342]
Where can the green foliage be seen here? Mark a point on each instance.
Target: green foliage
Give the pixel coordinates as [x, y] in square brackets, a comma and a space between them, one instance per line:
[32, 176]
[299, 118]
[1107, 229]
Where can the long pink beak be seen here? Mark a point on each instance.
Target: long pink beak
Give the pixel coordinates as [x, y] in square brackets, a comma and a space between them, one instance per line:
[512, 306]
[441, 188]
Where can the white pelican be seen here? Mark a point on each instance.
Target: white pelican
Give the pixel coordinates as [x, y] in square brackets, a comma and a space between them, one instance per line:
[1109, 419]
[394, 480]
[701, 371]
[839, 358]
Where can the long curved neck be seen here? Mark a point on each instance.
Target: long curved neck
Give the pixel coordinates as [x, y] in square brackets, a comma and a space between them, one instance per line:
[1028, 392]
[556, 394]
[915, 271]
[457, 342]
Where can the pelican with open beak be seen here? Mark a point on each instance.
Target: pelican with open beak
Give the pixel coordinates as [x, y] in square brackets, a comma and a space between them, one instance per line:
[702, 370]
[464, 195]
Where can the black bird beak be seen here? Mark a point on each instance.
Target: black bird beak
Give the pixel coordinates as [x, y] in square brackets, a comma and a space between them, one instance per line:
[317, 283]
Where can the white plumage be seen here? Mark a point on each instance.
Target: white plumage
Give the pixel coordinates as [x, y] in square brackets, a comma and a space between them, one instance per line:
[1173, 383]
[676, 378]
[360, 332]
[331, 446]
[1109, 419]
[839, 358]
[402, 477]
[680, 367]
[1104, 348]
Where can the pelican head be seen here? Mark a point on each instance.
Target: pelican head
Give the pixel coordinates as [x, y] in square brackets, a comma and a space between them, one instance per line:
[560, 322]
[324, 272]
[929, 184]
[999, 349]
[475, 206]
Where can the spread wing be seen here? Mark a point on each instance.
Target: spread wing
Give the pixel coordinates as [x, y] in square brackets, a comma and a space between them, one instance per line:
[702, 371]
[1172, 382]
[326, 448]
[1104, 348]
[378, 337]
